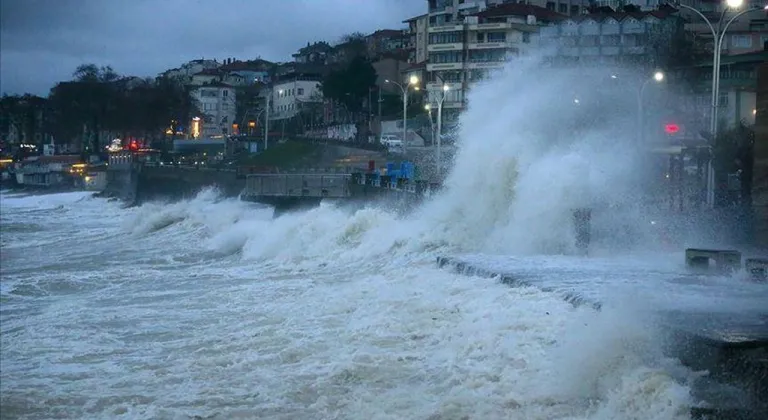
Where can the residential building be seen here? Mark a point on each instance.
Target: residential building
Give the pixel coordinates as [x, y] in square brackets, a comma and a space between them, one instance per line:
[293, 94]
[746, 34]
[463, 47]
[738, 87]
[416, 41]
[205, 77]
[245, 73]
[314, 53]
[185, 72]
[386, 41]
[612, 40]
[389, 68]
[217, 103]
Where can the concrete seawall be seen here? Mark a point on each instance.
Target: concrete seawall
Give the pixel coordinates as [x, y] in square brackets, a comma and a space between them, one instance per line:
[168, 182]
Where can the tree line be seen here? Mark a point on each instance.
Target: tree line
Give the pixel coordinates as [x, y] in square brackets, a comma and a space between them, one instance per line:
[98, 101]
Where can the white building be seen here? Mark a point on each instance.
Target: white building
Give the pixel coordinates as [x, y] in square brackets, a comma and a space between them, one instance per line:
[217, 103]
[290, 95]
[468, 39]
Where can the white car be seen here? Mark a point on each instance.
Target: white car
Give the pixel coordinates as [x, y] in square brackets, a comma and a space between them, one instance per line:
[391, 140]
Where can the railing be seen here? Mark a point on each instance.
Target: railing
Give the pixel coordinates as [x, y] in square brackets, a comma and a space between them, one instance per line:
[298, 185]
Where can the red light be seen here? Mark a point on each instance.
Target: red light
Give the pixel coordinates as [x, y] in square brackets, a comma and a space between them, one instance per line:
[134, 145]
[671, 128]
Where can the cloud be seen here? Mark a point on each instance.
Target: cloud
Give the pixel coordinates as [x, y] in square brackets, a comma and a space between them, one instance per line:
[42, 41]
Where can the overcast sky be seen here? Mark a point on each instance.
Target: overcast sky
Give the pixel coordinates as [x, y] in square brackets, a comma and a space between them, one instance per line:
[43, 41]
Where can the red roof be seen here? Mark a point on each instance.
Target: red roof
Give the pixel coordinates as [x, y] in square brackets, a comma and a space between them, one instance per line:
[517, 9]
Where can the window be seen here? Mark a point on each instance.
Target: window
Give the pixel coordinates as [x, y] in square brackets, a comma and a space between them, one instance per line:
[562, 8]
[300, 91]
[497, 37]
[224, 106]
[224, 93]
[741, 41]
[208, 93]
[446, 38]
[446, 57]
[551, 6]
[574, 10]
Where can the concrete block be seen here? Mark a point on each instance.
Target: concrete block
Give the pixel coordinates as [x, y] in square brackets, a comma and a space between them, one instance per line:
[725, 260]
[757, 268]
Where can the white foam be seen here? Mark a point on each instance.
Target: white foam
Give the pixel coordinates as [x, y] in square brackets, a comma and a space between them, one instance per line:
[331, 313]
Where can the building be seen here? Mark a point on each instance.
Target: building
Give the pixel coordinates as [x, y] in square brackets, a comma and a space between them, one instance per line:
[613, 39]
[463, 47]
[293, 94]
[185, 72]
[386, 41]
[416, 38]
[746, 34]
[316, 53]
[217, 103]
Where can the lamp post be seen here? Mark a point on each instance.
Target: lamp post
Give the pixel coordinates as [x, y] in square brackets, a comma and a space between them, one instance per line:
[266, 118]
[658, 77]
[718, 35]
[412, 81]
[440, 100]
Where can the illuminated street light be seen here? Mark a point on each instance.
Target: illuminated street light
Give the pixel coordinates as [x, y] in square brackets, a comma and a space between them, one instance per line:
[658, 77]
[412, 82]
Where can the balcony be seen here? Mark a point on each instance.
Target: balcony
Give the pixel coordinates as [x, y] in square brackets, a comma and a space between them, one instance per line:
[456, 46]
[489, 26]
[445, 66]
[435, 86]
[441, 10]
[486, 65]
[452, 27]
[487, 45]
[634, 50]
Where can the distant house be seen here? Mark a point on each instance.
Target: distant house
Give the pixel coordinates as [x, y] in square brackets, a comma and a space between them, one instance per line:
[219, 107]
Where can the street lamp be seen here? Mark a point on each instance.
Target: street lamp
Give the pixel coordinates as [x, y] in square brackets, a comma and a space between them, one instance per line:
[440, 100]
[718, 35]
[658, 77]
[412, 81]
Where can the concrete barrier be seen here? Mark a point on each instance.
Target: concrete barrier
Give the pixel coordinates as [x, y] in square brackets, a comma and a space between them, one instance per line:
[757, 268]
[726, 261]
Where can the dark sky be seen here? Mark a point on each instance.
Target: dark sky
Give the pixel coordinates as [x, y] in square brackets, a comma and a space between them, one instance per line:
[43, 41]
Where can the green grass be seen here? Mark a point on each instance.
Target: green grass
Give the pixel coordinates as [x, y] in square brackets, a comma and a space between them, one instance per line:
[288, 154]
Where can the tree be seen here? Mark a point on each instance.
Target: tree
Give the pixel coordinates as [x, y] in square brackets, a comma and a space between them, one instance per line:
[350, 86]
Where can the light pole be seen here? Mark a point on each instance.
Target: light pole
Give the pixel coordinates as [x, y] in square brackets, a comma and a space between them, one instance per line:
[412, 81]
[440, 100]
[718, 35]
[266, 118]
[658, 77]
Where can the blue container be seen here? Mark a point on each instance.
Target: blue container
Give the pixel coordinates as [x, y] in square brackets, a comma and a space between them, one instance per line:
[390, 168]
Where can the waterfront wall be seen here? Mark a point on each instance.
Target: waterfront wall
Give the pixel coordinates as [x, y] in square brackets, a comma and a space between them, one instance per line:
[168, 182]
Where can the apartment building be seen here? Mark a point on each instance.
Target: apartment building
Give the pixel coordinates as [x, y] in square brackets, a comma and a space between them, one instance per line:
[218, 105]
[293, 93]
[416, 38]
[467, 39]
[611, 40]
